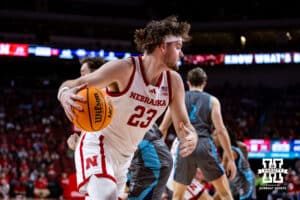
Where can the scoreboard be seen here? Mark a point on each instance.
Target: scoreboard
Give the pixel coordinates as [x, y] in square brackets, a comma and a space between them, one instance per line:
[266, 148]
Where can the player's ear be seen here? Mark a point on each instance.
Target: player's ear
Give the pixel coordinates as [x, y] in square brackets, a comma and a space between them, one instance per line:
[189, 84]
[163, 46]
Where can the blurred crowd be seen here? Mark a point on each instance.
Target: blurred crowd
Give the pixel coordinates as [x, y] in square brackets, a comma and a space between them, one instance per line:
[35, 160]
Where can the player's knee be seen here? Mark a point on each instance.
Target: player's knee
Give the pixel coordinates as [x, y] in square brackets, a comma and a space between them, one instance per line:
[177, 195]
[225, 195]
[178, 191]
[102, 189]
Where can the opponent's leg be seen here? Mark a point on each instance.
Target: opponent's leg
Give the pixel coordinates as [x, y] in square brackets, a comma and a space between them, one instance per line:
[178, 191]
[221, 186]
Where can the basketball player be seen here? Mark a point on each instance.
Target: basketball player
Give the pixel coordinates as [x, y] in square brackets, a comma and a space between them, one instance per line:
[205, 113]
[196, 190]
[150, 167]
[88, 65]
[243, 147]
[152, 161]
[143, 88]
[242, 184]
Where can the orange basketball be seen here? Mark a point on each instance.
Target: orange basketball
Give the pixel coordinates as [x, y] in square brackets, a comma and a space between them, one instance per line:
[97, 111]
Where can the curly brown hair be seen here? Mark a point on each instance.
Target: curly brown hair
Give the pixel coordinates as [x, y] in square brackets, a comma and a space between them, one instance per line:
[146, 39]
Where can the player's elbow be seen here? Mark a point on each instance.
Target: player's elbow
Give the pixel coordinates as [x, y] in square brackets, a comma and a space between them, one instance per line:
[221, 131]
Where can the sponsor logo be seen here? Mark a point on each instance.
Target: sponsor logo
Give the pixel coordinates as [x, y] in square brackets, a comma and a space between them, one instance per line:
[273, 174]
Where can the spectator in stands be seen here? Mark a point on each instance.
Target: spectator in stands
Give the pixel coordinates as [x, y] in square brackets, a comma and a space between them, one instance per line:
[21, 186]
[4, 186]
[41, 186]
[64, 183]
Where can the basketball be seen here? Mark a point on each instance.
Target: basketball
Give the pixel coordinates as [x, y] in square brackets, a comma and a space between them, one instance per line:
[97, 110]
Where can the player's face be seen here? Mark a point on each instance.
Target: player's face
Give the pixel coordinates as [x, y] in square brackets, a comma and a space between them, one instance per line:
[174, 54]
[84, 70]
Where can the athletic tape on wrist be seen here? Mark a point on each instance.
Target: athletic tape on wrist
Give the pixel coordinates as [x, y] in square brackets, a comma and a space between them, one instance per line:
[61, 91]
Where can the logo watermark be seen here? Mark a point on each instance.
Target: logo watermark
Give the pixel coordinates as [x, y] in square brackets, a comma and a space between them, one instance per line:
[272, 174]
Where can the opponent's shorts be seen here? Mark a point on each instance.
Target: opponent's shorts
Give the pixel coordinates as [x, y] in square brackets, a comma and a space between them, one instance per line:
[153, 162]
[205, 157]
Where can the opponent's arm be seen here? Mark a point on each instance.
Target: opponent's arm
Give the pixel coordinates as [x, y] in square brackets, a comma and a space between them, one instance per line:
[223, 136]
[243, 148]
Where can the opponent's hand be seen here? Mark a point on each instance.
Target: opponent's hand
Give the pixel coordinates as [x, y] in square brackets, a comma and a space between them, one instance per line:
[68, 98]
[189, 142]
[72, 141]
[230, 169]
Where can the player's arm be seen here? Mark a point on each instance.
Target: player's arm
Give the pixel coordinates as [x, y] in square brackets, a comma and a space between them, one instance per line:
[243, 148]
[225, 158]
[223, 136]
[116, 71]
[165, 124]
[184, 129]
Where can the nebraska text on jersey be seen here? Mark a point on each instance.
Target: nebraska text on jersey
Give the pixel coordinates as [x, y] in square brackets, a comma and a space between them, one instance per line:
[147, 100]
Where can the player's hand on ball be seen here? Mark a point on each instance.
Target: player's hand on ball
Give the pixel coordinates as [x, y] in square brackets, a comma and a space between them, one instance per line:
[97, 111]
[189, 142]
[72, 141]
[68, 100]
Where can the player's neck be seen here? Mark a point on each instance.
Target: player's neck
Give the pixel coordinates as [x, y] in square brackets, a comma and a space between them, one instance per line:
[194, 88]
[152, 68]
